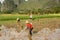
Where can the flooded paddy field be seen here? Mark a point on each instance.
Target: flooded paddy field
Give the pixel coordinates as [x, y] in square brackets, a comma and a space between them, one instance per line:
[44, 29]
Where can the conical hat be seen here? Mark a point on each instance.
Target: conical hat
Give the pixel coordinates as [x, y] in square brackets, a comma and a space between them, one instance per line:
[17, 18]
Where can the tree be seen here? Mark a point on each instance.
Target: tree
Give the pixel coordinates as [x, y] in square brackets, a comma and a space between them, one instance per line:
[8, 6]
[0, 6]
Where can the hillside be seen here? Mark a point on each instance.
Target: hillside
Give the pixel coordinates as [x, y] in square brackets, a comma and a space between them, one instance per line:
[32, 4]
[52, 4]
[36, 4]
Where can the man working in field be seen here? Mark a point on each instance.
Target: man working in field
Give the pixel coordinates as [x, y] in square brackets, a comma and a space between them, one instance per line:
[31, 16]
[29, 27]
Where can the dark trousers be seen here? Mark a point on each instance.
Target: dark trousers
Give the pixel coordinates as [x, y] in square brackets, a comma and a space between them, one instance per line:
[30, 32]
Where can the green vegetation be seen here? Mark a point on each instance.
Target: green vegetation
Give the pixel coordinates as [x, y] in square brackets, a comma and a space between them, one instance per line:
[36, 6]
[24, 17]
[12, 17]
[7, 22]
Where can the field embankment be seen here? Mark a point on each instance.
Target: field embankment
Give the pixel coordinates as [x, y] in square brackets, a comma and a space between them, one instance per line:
[6, 17]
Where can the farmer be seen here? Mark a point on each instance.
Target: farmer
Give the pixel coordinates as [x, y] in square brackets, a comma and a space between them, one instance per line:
[18, 28]
[29, 27]
[31, 16]
[18, 21]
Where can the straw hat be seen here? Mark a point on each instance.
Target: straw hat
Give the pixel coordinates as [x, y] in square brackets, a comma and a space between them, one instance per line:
[27, 21]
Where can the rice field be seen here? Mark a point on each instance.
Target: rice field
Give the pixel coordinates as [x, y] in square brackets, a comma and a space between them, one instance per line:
[45, 27]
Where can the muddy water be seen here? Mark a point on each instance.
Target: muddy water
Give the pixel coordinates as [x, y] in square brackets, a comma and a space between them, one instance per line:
[44, 34]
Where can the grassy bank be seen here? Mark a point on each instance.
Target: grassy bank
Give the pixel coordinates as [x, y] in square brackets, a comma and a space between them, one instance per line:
[4, 17]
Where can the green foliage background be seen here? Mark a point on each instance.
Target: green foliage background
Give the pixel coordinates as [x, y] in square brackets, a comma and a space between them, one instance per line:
[36, 6]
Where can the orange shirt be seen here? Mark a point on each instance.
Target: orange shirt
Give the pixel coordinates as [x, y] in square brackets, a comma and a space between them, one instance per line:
[29, 25]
